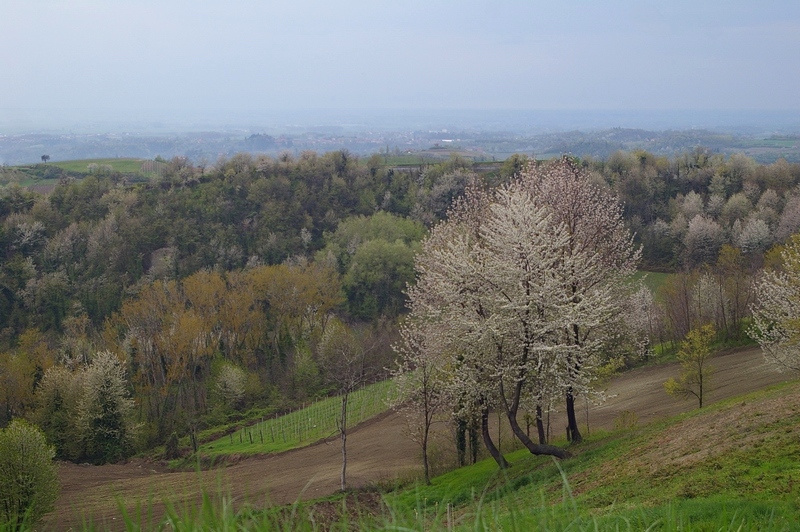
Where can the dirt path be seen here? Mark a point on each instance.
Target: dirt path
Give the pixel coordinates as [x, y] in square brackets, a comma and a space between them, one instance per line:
[377, 451]
[641, 391]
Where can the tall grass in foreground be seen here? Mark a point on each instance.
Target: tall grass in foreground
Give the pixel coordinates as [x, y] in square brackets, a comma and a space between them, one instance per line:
[304, 426]
[368, 510]
[710, 514]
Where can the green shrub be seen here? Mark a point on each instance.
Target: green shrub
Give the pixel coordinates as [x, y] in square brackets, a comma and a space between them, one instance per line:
[29, 485]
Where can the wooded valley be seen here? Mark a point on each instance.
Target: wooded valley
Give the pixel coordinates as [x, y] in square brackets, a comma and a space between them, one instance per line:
[207, 291]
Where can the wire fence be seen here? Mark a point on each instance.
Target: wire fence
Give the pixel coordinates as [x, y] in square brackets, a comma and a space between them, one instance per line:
[308, 424]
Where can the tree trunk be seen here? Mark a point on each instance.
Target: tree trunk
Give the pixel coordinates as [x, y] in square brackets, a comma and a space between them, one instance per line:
[534, 448]
[700, 391]
[511, 413]
[193, 437]
[473, 442]
[487, 440]
[461, 441]
[540, 425]
[573, 432]
[425, 459]
[343, 433]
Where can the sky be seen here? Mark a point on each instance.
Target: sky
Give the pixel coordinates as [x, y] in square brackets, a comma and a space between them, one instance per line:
[133, 57]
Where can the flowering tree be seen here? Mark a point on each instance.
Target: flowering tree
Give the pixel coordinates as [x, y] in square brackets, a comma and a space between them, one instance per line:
[443, 305]
[484, 293]
[789, 222]
[106, 410]
[596, 231]
[703, 239]
[520, 283]
[755, 237]
[230, 385]
[776, 315]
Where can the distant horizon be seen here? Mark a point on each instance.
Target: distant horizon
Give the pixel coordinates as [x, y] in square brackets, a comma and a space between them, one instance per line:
[287, 121]
[172, 66]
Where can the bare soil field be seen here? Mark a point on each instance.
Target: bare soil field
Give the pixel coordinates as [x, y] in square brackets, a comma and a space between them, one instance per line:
[378, 451]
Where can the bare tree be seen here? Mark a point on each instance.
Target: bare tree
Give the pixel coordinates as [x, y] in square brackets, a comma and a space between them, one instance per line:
[421, 383]
[343, 356]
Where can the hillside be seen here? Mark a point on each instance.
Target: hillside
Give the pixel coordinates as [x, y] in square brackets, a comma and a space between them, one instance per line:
[379, 452]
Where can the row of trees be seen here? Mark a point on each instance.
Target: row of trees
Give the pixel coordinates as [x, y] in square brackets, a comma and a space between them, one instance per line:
[488, 329]
[775, 309]
[211, 286]
[86, 245]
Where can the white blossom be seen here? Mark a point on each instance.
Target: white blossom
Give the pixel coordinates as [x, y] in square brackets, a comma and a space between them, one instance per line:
[776, 315]
[755, 236]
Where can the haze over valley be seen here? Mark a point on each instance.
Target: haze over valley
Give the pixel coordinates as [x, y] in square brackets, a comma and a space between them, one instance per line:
[144, 79]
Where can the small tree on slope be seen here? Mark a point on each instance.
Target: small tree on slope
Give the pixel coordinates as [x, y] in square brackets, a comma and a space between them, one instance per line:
[696, 371]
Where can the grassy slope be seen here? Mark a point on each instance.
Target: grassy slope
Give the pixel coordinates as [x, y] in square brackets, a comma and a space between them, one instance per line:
[125, 166]
[652, 280]
[31, 175]
[736, 462]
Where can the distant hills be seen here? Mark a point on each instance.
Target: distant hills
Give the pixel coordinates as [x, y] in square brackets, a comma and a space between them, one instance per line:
[480, 145]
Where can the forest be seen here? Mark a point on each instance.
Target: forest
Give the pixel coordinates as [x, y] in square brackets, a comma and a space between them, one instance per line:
[135, 312]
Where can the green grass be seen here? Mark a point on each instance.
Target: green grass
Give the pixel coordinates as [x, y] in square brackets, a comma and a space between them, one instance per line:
[125, 166]
[43, 175]
[405, 160]
[652, 280]
[301, 427]
[33, 181]
[628, 477]
[770, 143]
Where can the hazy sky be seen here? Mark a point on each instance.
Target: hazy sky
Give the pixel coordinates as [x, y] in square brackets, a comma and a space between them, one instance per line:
[134, 55]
